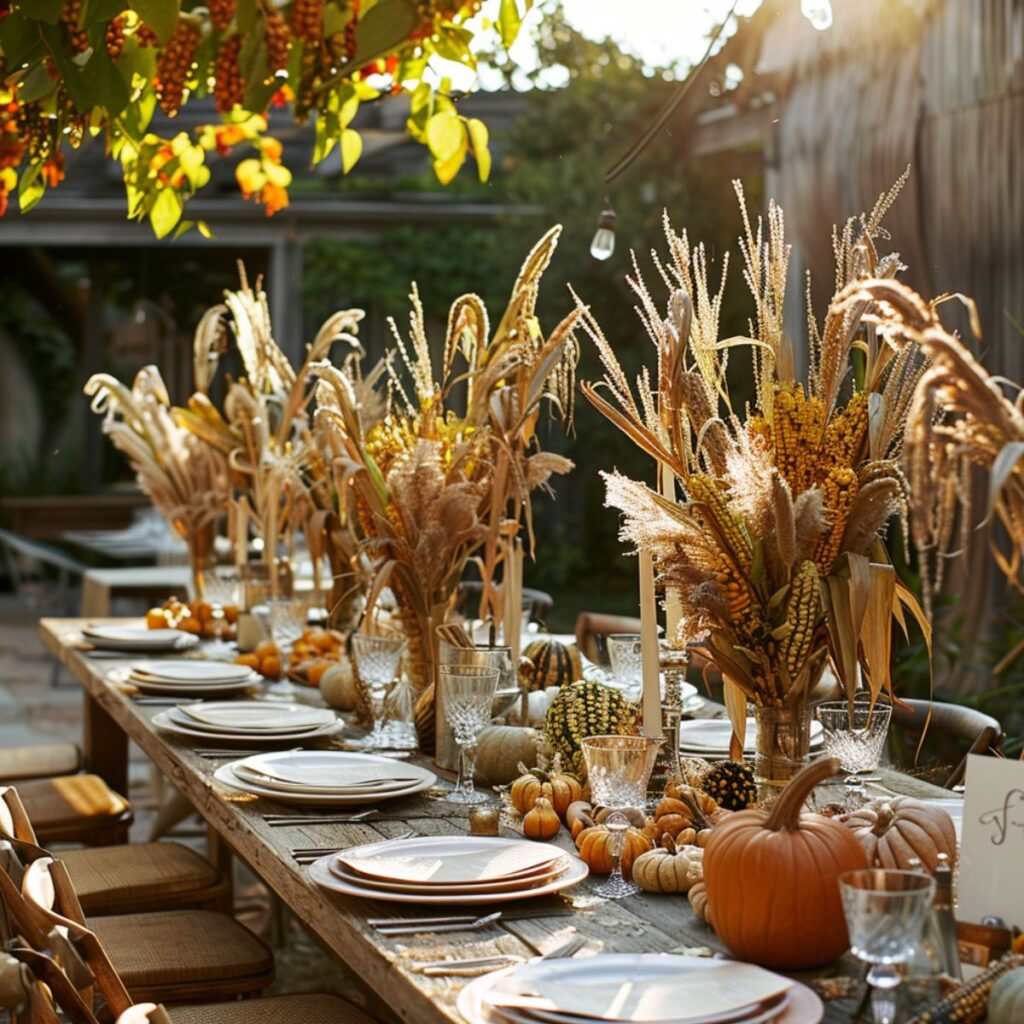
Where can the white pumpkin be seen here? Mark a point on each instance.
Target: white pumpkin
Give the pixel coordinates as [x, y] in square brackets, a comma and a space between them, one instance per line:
[669, 868]
[338, 686]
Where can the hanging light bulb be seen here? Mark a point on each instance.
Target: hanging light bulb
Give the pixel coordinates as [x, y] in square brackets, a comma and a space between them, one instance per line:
[817, 12]
[603, 244]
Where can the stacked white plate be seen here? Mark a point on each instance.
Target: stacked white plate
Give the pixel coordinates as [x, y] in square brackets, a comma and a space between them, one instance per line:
[325, 777]
[592, 673]
[253, 722]
[709, 738]
[639, 989]
[189, 678]
[449, 870]
[138, 638]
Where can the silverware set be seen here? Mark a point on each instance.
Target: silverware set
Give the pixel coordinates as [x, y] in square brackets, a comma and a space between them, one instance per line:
[457, 922]
[308, 854]
[288, 820]
[484, 964]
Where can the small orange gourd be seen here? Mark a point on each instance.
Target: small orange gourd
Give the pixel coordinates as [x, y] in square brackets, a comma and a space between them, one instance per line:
[772, 878]
[685, 807]
[540, 821]
[594, 845]
[565, 790]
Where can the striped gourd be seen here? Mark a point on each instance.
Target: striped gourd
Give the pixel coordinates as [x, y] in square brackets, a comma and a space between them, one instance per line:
[586, 709]
[551, 664]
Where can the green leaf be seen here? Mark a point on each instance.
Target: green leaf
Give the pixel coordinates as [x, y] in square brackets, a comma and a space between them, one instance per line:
[382, 28]
[351, 148]
[478, 139]
[160, 15]
[509, 22]
[31, 187]
[247, 13]
[20, 40]
[183, 226]
[46, 10]
[326, 132]
[446, 135]
[447, 169]
[348, 105]
[165, 212]
[204, 229]
[36, 84]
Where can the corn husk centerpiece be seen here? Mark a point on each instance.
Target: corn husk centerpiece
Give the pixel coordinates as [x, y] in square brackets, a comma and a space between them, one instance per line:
[771, 530]
[436, 482]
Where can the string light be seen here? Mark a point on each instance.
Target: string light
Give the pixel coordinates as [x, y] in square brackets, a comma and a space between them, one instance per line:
[603, 244]
[817, 12]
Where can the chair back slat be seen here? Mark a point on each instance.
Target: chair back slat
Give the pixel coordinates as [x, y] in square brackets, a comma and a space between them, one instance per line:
[14, 820]
[15, 983]
[74, 1007]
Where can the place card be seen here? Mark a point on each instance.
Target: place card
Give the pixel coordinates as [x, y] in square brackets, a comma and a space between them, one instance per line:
[992, 849]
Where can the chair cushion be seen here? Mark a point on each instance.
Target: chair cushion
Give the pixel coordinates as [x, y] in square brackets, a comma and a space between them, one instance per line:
[304, 1009]
[144, 876]
[39, 761]
[64, 807]
[184, 954]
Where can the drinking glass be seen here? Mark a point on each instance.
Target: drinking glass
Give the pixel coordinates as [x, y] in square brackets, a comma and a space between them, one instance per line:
[616, 886]
[288, 618]
[885, 913]
[625, 654]
[468, 692]
[855, 734]
[377, 660]
[221, 585]
[619, 768]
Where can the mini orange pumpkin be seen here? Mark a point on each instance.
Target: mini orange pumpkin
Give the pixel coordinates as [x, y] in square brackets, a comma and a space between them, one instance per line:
[595, 848]
[565, 790]
[685, 807]
[772, 878]
[540, 821]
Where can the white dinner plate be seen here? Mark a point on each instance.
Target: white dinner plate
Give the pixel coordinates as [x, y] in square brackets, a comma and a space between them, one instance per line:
[192, 691]
[538, 877]
[448, 860]
[191, 671]
[327, 771]
[596, 674]
[177, 716]
[712, 736]
[138, 638]
[801, 1006]
[165, 720]
[256, 716]
[320, 873]
[226, 775]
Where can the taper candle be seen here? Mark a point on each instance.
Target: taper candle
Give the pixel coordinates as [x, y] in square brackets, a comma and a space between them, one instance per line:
[651, 694]
[673, 606]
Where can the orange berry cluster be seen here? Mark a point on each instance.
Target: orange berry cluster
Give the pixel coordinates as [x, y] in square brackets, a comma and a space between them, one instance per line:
[145, 36]
[173, 66]
[70, 12]
[278, 39]
[228, 83]
[114, 38]
[349, 43]
[308, 20]
[221, 13]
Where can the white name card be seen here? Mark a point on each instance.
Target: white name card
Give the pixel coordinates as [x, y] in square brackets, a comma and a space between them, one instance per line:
[991, 882]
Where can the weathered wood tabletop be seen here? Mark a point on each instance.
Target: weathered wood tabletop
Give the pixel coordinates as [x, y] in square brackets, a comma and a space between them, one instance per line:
[643, 923]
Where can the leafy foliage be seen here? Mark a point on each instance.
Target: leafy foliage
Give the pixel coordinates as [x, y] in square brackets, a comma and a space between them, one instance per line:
[74, 69]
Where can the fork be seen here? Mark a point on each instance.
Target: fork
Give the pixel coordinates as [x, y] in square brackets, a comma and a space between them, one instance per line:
[481, 965]
[476, 925]
[287, 820]
[308, 854]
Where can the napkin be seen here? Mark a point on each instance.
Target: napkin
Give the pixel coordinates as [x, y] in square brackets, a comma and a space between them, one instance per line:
[716, 994]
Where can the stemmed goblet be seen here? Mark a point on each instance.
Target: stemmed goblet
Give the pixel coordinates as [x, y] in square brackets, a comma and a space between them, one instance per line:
[288, 620]
[885, 913]
[221, 586]
[855, 733]
[377, 661]
[467, 694]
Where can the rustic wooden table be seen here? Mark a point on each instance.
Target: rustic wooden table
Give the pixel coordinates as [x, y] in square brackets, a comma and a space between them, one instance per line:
[643, 923]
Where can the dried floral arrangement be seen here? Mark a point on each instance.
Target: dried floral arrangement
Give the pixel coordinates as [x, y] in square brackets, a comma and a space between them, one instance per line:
[436, 482]
[771, 528]
[189, 482]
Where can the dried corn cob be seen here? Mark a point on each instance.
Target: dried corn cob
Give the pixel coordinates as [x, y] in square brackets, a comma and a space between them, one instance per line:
[797, 429]
[968, 1003]
[803, 609]
[705, 490]
[839, 488]
[845, 433]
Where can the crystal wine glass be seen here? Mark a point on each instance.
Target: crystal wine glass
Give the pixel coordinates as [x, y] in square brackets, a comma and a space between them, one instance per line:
[468, 692]
[616, 886]
[288, 619]
[377, 659]
[885, 913]
[855, 733]
[221, 585]
[625, 655]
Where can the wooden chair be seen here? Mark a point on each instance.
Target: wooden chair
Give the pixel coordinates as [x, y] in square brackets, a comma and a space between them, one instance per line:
[76, 809]
[39, 761]
[537, 603]
[126, 879]
[28, 994]
[81, 967]
[953, 732]
[178, 955]
[593, 629]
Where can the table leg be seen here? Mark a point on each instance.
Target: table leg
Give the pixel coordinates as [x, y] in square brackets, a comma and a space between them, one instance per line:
[105, 746]
[220, 856]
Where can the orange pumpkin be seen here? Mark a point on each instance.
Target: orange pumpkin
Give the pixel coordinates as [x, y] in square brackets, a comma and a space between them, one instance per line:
[565, 790]
[595, 848]
[685, 807]
[772, 877]
[895, 832]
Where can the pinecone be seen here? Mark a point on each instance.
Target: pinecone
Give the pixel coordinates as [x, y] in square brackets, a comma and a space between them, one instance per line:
[731, 784]
[173, 66]
[70, 12]
[228, 85]
[221, 13]
[308, 20]
[278, 39]
[114, 38]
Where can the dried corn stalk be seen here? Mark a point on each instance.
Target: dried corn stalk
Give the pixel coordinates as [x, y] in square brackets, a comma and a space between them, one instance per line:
[774, 539]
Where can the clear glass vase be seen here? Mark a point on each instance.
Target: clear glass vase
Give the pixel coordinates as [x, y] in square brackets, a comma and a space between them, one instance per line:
[782, 740]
